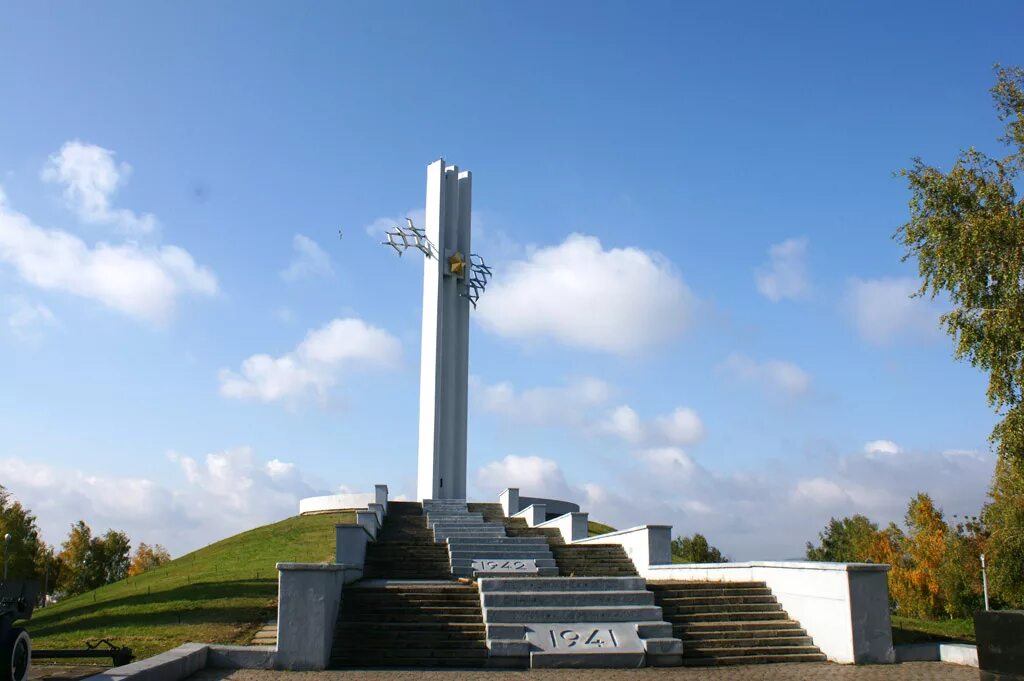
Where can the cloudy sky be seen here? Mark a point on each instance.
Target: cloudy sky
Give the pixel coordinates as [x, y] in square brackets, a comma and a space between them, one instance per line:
[698, 315]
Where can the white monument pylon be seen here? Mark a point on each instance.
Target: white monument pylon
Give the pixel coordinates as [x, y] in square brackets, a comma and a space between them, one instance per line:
[452, 280]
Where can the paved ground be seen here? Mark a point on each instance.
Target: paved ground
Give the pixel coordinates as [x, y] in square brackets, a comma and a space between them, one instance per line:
[63, 672]
[911, 671]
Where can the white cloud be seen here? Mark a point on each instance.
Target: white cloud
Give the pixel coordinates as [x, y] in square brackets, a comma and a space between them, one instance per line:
[820, 492]
[142, 282]
[562, 405]
[315, 363]
[774, 375]
[785, 274]
[216, 496]
[877, 448]
[624, 422]
[669, 461]
[577, 404]
[621, 301]
[682, 427]
[91, 177]
[533, 475]
[308, 261]
[883, 310]
[28, 320]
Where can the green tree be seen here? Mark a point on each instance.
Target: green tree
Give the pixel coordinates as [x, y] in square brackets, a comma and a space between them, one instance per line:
[695, 549]
[24, 546]
[75, 575]
[113, 555]
[847, 540]
[1004, 519]
[960, 570]
[966, 232]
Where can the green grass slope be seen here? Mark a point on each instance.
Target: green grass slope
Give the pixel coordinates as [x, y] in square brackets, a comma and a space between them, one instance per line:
[221, 593]
[594, 528]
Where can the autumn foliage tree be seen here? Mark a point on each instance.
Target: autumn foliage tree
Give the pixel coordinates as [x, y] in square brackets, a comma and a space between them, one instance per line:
[89, 562]
[147, 557]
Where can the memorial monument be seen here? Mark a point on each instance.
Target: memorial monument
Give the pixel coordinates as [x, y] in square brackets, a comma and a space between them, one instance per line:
[453, 279]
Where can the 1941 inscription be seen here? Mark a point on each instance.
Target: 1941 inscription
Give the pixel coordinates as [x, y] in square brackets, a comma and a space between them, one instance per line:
[570, 638]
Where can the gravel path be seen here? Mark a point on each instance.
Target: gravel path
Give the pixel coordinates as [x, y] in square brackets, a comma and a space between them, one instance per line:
[909, 671]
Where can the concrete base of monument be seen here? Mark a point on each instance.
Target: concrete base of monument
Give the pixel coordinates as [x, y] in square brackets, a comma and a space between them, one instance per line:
[576, 622]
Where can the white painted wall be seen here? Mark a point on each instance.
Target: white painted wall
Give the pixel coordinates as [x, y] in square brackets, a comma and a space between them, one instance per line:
[573, 526]
[843, 606]
[336, 502]
[534, 514]
[646, 545]
[509, 500]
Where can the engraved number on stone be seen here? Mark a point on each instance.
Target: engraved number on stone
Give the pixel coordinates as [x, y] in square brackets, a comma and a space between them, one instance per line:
[567, 638]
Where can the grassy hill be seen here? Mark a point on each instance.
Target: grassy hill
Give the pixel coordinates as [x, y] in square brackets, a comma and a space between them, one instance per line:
[594, 528]
[221, 593]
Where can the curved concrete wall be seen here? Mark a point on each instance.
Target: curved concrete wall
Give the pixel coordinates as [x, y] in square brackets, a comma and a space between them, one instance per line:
[336, 502]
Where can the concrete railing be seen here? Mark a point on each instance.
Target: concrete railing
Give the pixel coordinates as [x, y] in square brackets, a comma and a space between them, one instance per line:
[646, 545]
[843, 606]
[512, 503]
[309, 596]
[345, 502]
[534, 514]
[573, 526]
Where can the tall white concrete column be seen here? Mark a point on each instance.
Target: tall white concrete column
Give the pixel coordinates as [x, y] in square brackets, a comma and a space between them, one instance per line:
[444, 354]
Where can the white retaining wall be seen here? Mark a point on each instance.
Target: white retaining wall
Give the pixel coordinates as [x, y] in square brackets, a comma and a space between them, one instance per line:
[646, 545]
[843, 606]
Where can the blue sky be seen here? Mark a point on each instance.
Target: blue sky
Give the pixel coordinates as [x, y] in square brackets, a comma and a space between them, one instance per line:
[698, 315]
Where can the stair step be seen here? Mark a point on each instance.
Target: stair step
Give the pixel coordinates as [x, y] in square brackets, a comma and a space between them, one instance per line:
[583, 613]
[545, 599]
[725, 660]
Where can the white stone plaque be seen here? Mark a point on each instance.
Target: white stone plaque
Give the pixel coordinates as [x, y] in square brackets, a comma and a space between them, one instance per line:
[585, 639]
[505, 566]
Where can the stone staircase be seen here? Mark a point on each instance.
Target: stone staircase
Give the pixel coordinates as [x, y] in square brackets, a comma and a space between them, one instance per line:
[732, 623]
[410, 624]
[572, 621]
[405, 547]
[583, 560]
[470, 537]
[593, 560]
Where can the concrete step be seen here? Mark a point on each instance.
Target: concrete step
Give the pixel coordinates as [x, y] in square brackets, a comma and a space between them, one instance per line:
[733, 616]
[491, 584]
[451, 628]
[697, 628]
[711, 634]
[725, 660]
[501, 553]
[497, 541]
[601, 613]
[715, 601]
[544, 599]
[749, 643]
[684, 611]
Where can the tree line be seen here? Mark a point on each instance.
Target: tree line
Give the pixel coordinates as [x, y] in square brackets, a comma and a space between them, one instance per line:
[85, 560]
[936, 564]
